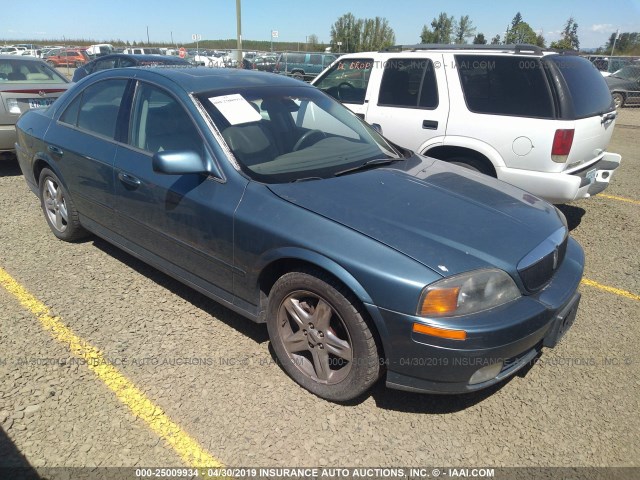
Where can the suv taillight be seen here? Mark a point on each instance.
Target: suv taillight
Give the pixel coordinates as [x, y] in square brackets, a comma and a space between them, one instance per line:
[562, 141]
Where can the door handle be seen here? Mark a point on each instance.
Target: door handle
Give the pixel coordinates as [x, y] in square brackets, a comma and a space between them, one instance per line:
[128, 179]
[55, 150]
[430, 124]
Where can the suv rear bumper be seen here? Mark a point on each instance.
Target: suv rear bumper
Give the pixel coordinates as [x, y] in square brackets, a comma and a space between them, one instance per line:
[565, 186]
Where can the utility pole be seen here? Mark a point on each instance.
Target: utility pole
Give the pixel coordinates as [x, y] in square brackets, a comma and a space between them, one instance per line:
[173, 44]
[148, 44]
[613, 47]
[239, 28]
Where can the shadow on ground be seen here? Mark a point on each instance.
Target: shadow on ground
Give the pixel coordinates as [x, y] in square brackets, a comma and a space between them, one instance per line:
[9, 167]
[13, 464]
[384, 397]
[574, 215]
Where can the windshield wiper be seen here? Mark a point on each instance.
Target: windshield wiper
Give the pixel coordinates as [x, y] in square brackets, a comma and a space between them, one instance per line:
[368, 164]
[306, 179]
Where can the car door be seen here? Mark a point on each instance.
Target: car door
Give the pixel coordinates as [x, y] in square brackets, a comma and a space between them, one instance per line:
[82, 144]
[412, 103]
[186, 221]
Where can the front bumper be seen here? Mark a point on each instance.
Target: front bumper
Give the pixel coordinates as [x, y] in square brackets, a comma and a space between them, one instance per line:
[513, 334]
[565, 186]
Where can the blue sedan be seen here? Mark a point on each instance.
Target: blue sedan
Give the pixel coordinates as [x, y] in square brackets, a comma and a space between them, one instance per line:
[365, 260]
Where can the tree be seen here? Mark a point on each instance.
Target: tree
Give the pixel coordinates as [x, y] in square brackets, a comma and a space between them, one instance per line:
[376, 34]
[495, 40]
[540, 41]
[480, 40]
[347, 30]
[628, 43]
[520, 32]
[569, 40]
[359, 35]
[442, 30]
[463, 29]
[312, 41]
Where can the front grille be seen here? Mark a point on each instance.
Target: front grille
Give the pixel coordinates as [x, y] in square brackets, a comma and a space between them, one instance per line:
[536, 276]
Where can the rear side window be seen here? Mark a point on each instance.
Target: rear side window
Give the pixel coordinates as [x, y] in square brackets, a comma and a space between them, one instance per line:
[347, 80]
[587, 87]
[515, 86]
[97, 109]
[409, 83]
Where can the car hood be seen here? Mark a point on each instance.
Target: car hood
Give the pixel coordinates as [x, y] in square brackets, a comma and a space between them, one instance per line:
[615, 82]
[446, 217]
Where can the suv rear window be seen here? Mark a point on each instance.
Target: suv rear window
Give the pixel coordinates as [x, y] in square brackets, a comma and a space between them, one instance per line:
[588, 89]
[409, 83]
[499, 85]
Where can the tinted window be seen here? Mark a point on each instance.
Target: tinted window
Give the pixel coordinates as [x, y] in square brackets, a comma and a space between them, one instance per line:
[409, 83]
[347, 80]
[587, 86]
[100, 106]
[294, 58]
[104, 64]
[315, 59]
[505, 85]
[160, 123]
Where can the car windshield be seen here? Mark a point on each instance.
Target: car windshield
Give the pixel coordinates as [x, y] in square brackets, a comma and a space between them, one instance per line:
[630, 72]
[285, 134]
[20, 71]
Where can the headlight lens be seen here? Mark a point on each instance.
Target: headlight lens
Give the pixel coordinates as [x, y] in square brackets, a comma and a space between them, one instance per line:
[467, 293]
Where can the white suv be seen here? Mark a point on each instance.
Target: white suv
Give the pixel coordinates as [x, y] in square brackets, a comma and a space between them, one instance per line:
[539, 120]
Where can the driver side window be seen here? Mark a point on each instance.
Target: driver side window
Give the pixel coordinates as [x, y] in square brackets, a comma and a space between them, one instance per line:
[347, 80]
[160, 123]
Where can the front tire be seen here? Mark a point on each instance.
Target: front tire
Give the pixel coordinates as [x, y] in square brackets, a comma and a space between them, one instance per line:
[58, 208]
[320, 336]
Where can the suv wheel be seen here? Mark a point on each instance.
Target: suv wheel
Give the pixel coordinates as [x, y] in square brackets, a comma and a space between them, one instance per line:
[618, 99]
[320, 336]
[51, 64]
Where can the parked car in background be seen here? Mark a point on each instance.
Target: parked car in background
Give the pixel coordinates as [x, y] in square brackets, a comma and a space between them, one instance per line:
[264, 64]
[625, 85]
[303, 65]
[118, 60]
[142, 51]
[260, 191]
[536, 119]
[99, 50]
[26, 83]
[68, 57]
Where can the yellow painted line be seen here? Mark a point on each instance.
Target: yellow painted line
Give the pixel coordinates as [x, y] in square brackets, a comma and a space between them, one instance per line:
[615, 291]
[620, 199]
[140, 405]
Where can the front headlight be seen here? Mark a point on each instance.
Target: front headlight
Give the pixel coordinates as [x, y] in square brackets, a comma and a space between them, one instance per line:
[467, 293]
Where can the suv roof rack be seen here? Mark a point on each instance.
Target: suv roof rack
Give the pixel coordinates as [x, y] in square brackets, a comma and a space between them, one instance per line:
[516, 48]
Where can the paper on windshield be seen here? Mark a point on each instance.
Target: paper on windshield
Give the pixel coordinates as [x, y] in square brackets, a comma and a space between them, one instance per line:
[235, 109]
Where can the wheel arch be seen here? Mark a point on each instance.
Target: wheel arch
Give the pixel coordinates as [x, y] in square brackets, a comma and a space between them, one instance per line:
[287, 260]
[456, 147]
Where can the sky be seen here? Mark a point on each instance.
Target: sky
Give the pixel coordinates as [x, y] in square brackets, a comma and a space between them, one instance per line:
[297, 19]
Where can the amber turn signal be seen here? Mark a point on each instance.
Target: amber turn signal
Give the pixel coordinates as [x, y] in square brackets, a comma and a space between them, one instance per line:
[440, 302]
[440, 332]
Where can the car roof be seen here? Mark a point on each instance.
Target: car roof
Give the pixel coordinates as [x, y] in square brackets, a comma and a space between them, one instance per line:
[21, 58]
[141, 58]
[204, 79]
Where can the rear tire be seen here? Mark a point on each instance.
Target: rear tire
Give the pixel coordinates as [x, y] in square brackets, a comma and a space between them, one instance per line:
[618, 99]
[58, 208]
[320, 336]
[298, 76]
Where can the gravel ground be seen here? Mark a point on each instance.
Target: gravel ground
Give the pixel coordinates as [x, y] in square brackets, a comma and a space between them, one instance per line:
[577, 407]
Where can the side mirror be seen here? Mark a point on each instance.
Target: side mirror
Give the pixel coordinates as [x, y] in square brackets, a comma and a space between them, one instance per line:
[183, 162]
